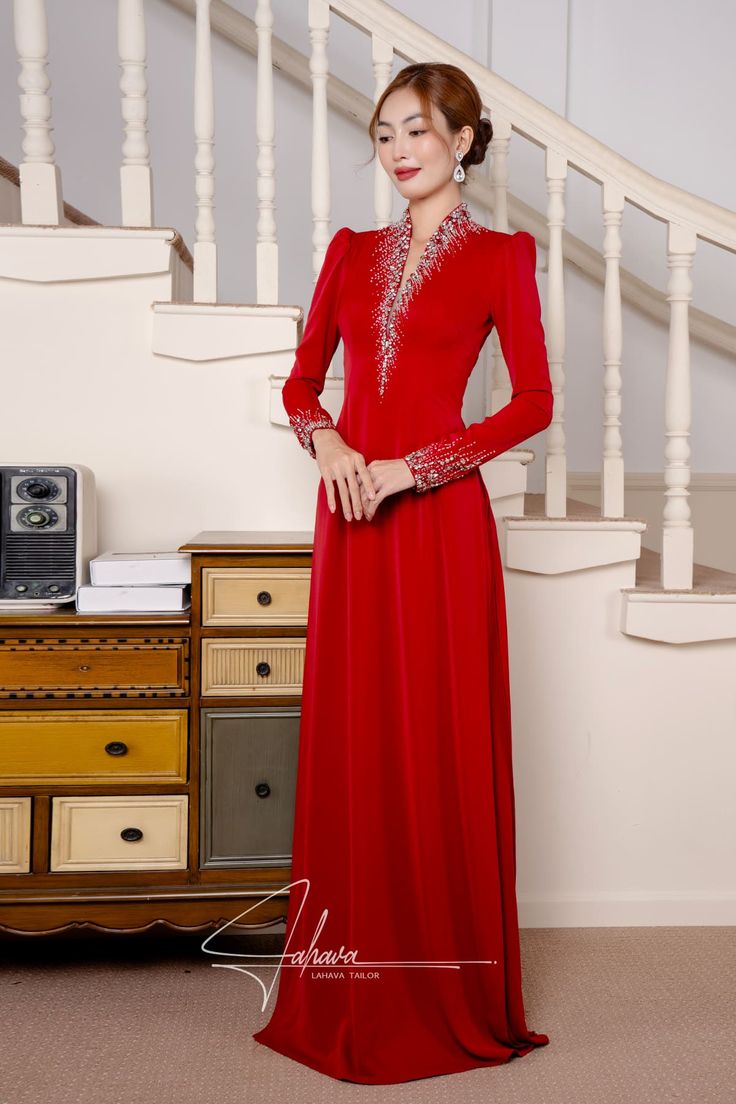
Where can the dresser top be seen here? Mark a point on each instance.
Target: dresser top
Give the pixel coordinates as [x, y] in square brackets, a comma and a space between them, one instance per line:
[250, 540]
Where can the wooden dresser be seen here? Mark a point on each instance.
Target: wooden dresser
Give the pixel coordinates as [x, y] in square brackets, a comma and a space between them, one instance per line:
[148, 761]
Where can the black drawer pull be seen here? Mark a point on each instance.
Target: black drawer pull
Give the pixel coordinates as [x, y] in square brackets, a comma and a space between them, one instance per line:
[131, 834]
[263, 789]
[116, 747]
[264, 598]
[263, 668]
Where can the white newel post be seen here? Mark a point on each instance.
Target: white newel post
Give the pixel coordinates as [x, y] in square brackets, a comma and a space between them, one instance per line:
[382, 54]
[205, 248]
[136, 181]
[41, 199]
[677, 531]
[612, 475]
[319, 28]
[556, 474]
[267, 254]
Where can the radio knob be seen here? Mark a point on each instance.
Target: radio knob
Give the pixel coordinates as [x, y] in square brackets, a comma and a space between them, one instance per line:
[37, 490]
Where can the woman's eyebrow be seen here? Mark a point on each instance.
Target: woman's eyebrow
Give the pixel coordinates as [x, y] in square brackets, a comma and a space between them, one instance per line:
[406, 120]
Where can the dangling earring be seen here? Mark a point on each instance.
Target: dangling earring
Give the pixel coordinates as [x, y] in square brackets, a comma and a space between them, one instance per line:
[459, 173]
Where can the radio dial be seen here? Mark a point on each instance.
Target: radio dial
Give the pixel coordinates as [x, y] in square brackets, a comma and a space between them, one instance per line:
[32, 518]
[38, 488]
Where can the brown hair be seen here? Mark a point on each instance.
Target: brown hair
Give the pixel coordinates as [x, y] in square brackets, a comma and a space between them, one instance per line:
[450, 90]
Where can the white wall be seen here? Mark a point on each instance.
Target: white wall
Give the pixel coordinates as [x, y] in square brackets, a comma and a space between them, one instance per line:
[655, 81]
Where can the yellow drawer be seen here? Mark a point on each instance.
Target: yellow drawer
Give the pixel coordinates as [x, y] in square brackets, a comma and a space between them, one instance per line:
[15, 835]
[93, 745]
[98, 668]
[255, 595]
[252, 665]
[141, 832]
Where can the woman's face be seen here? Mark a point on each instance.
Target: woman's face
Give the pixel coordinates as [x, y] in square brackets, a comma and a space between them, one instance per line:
[406, 142]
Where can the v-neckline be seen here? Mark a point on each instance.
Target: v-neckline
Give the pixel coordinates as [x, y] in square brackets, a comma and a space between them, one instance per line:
[392, 250]
[405, 228]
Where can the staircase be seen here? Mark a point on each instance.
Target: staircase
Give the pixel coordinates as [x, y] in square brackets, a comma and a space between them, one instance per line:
[131, 363]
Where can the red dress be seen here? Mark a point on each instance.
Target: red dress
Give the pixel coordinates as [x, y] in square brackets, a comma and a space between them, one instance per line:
[404, 819]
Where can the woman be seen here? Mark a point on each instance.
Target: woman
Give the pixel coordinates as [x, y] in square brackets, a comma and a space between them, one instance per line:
[403, 866]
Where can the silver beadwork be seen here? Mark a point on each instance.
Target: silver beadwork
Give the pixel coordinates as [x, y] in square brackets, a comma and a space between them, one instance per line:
[304, 422]
[444, 460]
[391, 251]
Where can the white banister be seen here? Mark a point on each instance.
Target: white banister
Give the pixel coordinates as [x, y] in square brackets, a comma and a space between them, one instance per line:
[136, 181]
[319, 29]
[205, 247]
[677, 531]
[556, 485]
[40, 179]
[267, 255]
[656, 198]
[543, 126]
[497, 380]
[499, 152]
[382, 54]
[612, 474]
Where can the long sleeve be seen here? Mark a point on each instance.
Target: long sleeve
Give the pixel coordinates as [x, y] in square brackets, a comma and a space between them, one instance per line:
[317, 347]
[516, 312]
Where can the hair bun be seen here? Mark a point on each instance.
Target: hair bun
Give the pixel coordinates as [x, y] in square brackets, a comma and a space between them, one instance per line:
[481, 140]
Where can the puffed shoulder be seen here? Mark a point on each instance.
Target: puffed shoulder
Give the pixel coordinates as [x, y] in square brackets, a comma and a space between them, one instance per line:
[335, 254]
[518, 250]
[522, 246]
[339, 243]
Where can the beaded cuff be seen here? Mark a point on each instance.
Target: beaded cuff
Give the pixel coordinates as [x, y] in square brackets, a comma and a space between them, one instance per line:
[304, 422]
[445, 460]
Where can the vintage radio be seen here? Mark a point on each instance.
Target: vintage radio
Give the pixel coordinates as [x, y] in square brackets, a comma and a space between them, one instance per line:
[48, 533]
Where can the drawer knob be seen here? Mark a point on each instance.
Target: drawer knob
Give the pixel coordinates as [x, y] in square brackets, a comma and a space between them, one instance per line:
[263, 668]
[131, 834]
[264, 598]
[84, 667]
[263, 789]
[116, 747]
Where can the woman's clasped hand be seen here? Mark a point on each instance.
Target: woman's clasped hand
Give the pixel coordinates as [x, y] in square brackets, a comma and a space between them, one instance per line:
[362, 487]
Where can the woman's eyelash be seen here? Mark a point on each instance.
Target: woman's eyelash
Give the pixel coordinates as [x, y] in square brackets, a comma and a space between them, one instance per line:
[385, 137]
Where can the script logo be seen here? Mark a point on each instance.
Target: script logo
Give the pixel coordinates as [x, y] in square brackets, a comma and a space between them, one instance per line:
[327, 960]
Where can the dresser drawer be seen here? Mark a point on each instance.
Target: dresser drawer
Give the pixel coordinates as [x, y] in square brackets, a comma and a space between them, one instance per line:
[93, 745]
[64, 668]
[255, 595]
[248, 786]
[141, 832]
[15, 835]
[252, 665]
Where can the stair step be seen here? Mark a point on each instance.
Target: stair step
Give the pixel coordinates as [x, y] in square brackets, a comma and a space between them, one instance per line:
[575, 510]
[706, 579]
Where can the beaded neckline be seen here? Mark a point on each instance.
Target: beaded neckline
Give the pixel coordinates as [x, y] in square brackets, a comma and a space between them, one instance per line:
[405, 228]
[393, 244]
